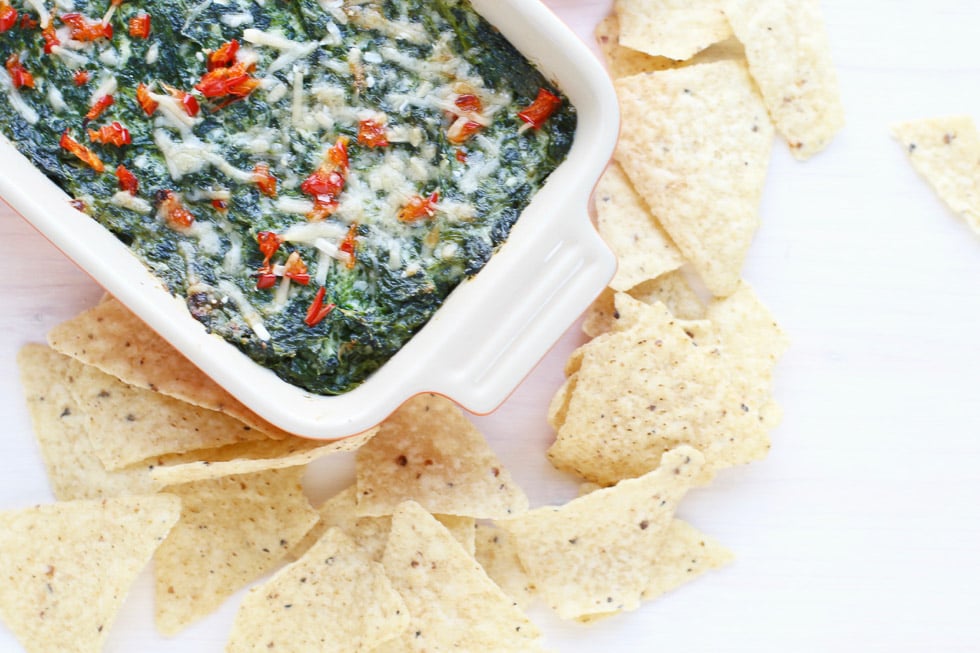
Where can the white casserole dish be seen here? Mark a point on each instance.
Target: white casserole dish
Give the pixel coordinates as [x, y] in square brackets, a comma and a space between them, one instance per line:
[489, 333]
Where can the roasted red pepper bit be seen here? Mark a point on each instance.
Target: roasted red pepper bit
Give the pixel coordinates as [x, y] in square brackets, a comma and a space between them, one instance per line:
[372, 134]
[541, 109]
[462, 130]
[102, 103]
[338, 157]
[349, 245]
[265, 280]
[19, 76]
[84, 154]
[469, 103]
[86, 29]
[8, 16]
[139, 26]
[325, 187]
[224, 56]
[296, 270]
[147, 103]
[188, 101]
[81, 77]
[269, 242]
[127, 180]
[461, 155]
[318, 310]
[264, 180]
[419, 207]
[219, 205]
[26, 22]
[50, 38]
[233, 81]
[173, 211]
[111, 134]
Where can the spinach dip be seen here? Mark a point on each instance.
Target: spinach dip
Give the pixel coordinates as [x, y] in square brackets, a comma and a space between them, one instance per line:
[312, 176]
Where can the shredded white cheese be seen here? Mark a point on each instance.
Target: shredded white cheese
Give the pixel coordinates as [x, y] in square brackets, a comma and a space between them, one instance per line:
[127, 200]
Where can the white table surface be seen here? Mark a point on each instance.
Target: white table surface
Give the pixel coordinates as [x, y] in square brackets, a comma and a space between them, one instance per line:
[861, 530]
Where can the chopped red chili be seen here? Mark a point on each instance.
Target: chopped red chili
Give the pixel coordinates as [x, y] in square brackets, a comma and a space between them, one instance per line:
[139, 26]
[147, 103]
[264, 179]
[19, 76]
[86, 29]
[173, 211]
[111, 134]
[419, 207]
[541, 109]
[50, 38]
[84, 154]
[102, 103]
[233, 81]
[127, 180]
[318, 310]
[372, 134]
[224, 56]
[8, 16]
[80, 77]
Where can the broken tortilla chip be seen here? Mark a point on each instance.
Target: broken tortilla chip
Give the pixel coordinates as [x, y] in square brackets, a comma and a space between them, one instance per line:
[232, 530]
[677, 29]
[672, 289]
[67, 567]
[429, 452]
[946, 152]
[789, 59]
[704, 179]
[496, 552]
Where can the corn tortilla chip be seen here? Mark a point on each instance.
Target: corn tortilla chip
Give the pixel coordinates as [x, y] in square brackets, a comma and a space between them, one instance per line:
[696, 143]
[70, 459]
[335, 599]
[789, 58]
[496, 552]
[114, 340]
[644, 390]
[946, 152]
[599, 553]
[232, 530]
[677, 29]
[452, 602]
[642, 248]
[67, 567]
[429, 452]
[128, 424]
[621, 60]
[672, 289]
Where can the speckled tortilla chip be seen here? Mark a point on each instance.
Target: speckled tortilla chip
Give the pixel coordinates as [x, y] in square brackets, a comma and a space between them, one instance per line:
[128, 424]
[429, 452]
[74, 470]
[671, 289]
[453, 604]
[496, 552]
[644, 390]
[789, 58]
[601, 552]
[695, 143]
[67, 567]
[114, 340]
[946, 152]
[335, 599]
[677, 29]
[232, 530]
[642, 249]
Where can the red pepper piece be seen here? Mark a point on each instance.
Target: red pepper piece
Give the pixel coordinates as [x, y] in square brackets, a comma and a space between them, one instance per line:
[8, 17]
[224, 56]
[325, 187]
[147, 103]
[127, 180]
[111, 134]
[233, 81]
[318, 310]
[101, 104]
[264, 180]
[188, 101]
[139, 26]
[296, 270]
[469, 103]
[265, 280]
[86, 29]
[419, 207]
[219, 205]
[349, 245]
[461, 155]
[541, 109]
[50, 38]
[269, 243]
[26, 22]
[173, 211]
[81, 77]
[84, 154]
[372, 134]
[19, 76]
[337, 155]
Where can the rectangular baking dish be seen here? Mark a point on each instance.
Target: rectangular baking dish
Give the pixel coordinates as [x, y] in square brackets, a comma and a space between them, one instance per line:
[491, 330]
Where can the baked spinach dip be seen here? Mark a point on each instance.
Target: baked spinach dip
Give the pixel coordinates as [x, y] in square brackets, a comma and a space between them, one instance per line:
[313, 176]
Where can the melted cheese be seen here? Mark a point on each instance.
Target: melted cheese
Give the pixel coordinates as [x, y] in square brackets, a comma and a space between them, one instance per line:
[127, 200]
[25, 110]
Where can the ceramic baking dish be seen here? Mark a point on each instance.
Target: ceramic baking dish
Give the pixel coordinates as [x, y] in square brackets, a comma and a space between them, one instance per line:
[492, 329]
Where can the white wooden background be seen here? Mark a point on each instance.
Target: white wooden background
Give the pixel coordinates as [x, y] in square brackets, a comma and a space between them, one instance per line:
[861, 531]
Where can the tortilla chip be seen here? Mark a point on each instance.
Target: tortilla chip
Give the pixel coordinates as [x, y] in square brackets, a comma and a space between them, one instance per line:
[685, 554]
[128, 424]
[73, 466]
[620, 60]
[67, 567]
[789, 58]
[672, 289]
[247, 457]
[111, 338]
[704, 177]
[452, 602]
[644, 390]
[496, 552]
[334, 599]
[677, 29]
[599, 553]
[642, 248]
[429, 452]
[232, 530]
[946, 152]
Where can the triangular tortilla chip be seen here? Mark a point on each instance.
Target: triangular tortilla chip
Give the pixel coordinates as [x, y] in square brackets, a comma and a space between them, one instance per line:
[114, 340]
[621, 60]
[429, 452]
[671, 289]
[496, 552]
[677, 29]
[946, 152]
[642, 248]
[789, 58]
[601, 552]
[453, 603]
[73, 466]
[67, 567]
[232, 530]
[333, 600]
[695, 143]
